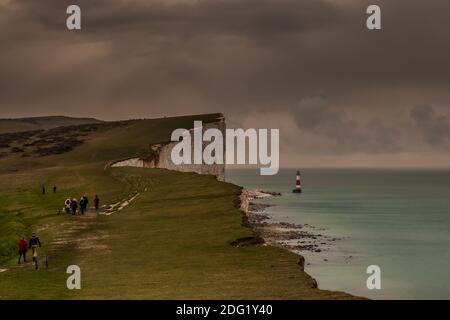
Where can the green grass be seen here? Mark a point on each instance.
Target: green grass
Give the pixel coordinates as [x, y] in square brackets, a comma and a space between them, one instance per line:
[37, 123]
[173, 242]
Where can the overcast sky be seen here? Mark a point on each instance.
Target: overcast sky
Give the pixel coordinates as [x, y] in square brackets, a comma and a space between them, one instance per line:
[341, 95]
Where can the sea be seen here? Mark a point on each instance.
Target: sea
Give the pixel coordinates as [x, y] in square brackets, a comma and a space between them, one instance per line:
[397, 220]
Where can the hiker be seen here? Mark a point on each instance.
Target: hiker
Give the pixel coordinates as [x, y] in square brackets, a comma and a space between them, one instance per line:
[33, 244]
[83, 203]
[86, 199]
[96, 202]
[68, 205]
[22, 249]
[74, 206]
[54, 188]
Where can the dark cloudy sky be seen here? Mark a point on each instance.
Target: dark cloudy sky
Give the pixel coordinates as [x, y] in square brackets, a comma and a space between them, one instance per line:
[341, 94]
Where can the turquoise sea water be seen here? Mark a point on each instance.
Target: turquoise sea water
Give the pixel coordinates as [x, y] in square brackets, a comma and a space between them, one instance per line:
[396, 219]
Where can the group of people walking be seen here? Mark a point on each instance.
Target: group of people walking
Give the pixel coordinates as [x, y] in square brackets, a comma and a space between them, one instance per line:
[33, 244]
[72, 205]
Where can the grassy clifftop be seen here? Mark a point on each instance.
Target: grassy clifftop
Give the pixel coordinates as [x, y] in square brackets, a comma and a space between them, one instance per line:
[35, 123]
[172, 241]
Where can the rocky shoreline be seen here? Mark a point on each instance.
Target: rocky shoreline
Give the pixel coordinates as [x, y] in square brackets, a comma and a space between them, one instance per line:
[297, 238]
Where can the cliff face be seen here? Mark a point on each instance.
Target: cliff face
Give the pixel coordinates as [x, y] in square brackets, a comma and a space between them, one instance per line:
[160, 156]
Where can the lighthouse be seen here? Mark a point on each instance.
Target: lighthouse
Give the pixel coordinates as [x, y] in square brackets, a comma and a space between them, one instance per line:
[298, 184]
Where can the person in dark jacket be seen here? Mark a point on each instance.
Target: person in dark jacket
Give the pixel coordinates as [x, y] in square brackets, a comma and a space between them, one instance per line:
[33, 244]
[74, 206]
[83, 204]
[22, 249]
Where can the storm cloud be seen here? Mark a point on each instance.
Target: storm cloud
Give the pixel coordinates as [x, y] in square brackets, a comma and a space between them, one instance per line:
[313, 62]
[344, 133]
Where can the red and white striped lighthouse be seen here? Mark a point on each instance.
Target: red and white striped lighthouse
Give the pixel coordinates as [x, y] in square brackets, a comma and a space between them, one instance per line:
[298, 184]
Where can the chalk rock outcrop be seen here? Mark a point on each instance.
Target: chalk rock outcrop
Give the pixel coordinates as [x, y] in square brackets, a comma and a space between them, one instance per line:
[160, 156]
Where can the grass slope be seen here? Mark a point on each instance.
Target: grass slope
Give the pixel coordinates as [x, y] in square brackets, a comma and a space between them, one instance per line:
[36, 123]
[172, 242]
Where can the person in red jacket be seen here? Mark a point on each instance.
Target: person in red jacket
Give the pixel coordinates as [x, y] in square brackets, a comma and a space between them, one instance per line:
[22, 249]
[96, 202]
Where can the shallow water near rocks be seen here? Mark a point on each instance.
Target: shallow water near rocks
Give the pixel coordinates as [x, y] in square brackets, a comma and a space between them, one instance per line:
[396, 219]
